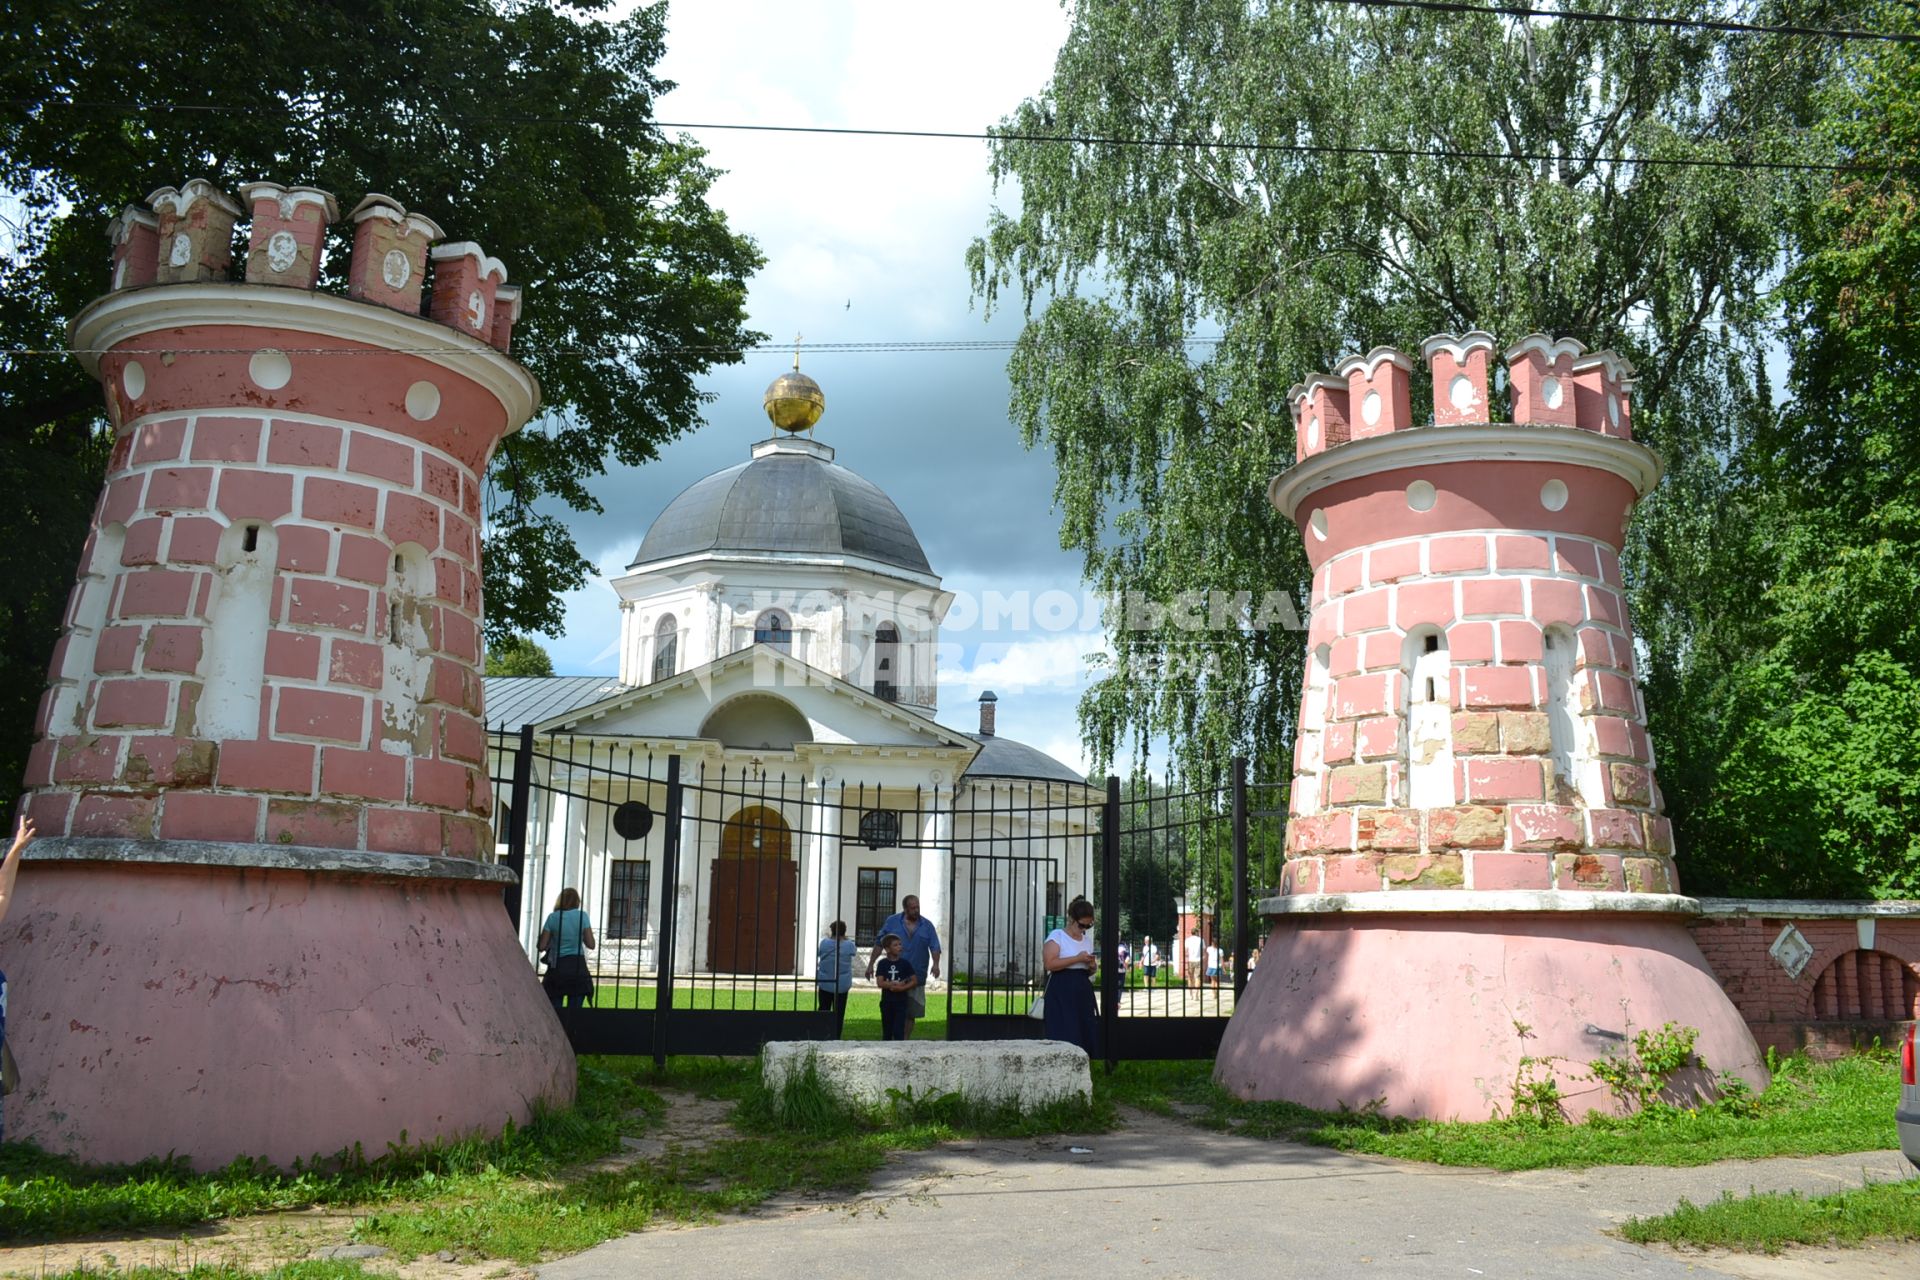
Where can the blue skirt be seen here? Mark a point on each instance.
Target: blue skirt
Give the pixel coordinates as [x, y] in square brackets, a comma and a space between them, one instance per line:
[1071, 1012]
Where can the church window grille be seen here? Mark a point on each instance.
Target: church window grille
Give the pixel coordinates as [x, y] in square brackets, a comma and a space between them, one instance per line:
[886, 650]
[772, 628]
[666, 647]
[880, 829]
[873, 901]
[627, 899]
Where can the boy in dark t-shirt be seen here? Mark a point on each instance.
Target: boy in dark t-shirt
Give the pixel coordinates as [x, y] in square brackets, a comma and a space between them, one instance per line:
[895, 976]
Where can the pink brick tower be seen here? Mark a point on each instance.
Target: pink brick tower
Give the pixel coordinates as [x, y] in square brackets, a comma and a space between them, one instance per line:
[263, 919]
[1477, 867]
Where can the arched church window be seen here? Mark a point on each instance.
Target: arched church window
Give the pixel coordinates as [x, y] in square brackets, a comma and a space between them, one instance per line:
[773, 628]
[886, 654]
[666, 646]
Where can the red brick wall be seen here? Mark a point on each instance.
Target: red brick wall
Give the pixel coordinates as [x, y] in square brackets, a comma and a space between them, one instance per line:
[1779, 1009]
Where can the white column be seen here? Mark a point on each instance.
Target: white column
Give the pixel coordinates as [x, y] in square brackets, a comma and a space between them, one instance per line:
[692, 864]
[936, 857]
[813, 853]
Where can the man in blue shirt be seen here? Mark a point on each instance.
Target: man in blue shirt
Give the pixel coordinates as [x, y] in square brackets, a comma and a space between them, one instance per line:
[919, 946]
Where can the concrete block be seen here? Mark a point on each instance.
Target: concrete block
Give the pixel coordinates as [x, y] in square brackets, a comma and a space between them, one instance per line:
[1028, 1073]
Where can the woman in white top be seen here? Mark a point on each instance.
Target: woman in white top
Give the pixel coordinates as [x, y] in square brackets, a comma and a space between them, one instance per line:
[1070, 961]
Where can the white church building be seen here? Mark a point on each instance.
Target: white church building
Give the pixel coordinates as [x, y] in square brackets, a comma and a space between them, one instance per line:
[779, 632]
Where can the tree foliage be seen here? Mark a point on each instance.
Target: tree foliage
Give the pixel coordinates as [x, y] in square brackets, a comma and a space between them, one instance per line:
[1342, 177]
[526, 127]
[518, 656]
[1791, 741]
[1397, 173]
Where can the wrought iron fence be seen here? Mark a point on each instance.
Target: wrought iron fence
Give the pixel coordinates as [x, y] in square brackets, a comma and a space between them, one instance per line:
[712, 885]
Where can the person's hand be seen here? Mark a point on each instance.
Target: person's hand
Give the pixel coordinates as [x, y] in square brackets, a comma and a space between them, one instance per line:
[24, 836]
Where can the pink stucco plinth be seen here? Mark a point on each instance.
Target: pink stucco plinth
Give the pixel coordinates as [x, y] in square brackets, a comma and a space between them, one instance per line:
[215, 1011]
[1420, 1010]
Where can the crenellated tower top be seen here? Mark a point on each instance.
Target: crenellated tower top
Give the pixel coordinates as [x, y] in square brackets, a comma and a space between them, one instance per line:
[185, 235]
[1551, 383]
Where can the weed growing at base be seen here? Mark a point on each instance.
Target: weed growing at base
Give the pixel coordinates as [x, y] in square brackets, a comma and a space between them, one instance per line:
[1810, 1108]
[1767, 1222]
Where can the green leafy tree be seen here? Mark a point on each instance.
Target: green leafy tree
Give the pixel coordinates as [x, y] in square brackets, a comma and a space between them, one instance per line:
[526, 127]
[1345, 176]
[518, 656]
[1792, 754]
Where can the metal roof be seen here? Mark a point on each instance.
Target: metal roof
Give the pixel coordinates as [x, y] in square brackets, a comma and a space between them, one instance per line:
[1005, 758]
[790, 497]
[512, 701]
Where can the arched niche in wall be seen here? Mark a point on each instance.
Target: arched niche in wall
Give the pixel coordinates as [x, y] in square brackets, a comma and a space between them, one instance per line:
[1866, 986]
[1427, 719]
[410, 640]
[757, 722]
[234, 664]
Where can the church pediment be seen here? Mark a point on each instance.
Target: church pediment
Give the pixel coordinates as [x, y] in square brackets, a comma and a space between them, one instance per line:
[757, 699]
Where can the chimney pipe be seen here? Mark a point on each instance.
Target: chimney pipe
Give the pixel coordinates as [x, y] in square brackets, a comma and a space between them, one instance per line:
[986, 713]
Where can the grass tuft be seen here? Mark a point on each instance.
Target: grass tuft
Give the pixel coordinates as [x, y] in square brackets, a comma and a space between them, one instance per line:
[1768, 1221]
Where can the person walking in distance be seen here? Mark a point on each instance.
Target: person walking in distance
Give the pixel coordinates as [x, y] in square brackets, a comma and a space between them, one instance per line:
[1213, 964]
[1149, 960]
[897, 980]
[1191, 971]
[919, 946]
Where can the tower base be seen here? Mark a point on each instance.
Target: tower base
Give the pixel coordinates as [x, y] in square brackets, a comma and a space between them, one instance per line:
[212, 1001]
[1424, 1003]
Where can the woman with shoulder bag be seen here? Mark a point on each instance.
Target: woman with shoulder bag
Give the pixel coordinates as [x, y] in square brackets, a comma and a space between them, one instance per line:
[565, 938]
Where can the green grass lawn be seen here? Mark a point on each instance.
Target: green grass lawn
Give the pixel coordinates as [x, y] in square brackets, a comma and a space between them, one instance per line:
[1809, 1109]
[1767, 1222]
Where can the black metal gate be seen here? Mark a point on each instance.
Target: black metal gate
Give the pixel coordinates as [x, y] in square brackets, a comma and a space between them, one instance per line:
[1175, 867]
[711, 887]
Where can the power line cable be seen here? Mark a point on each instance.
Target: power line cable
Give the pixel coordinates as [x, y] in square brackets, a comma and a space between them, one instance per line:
[1096, 140]
[1642, 20]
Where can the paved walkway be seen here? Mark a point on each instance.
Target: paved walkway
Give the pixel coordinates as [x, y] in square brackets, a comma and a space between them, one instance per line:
[1162, 1199]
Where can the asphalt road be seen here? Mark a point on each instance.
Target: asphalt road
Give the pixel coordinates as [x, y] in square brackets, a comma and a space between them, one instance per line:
[1162, 1199]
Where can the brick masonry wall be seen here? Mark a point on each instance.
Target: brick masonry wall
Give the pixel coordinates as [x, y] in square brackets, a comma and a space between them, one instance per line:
[1781, 1010]
[276, 632]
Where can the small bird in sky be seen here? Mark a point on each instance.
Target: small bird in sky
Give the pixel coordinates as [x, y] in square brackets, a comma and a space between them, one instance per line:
[849, 304]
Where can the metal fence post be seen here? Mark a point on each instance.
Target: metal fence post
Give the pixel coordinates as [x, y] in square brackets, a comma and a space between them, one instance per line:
[1110, 976]
[669, 904]
[1241, 949]
[519, 806]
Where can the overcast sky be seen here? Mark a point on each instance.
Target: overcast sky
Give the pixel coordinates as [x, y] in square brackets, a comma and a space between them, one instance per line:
[865, 241]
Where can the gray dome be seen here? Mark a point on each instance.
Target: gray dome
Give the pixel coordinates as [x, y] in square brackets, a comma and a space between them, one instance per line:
[790, 497]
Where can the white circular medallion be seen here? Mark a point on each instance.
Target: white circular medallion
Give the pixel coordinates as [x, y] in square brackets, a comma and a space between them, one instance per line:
[477, 311]
[133, 380]
[423, 401]
[1318, 523]
[1370, 409]
[1460, 393]
[396, 268]
[282, 249]
[1550, 392]
[1313, 432]
[270, 369]
[1553, 495]
[180, 250]
[1421, 496]
[1613, 409]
